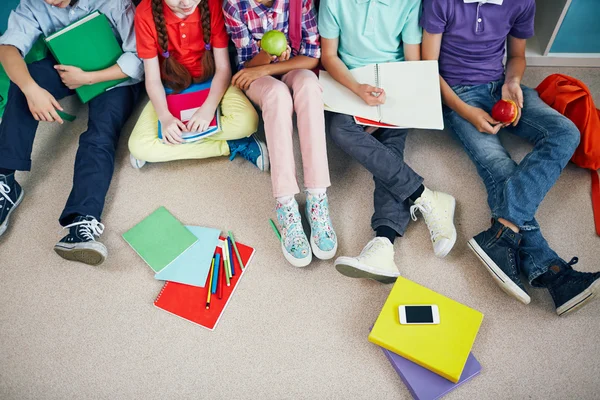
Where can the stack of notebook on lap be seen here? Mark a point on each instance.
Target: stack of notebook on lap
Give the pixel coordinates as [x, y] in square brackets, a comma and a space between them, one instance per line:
[431, 359]
[200, 267]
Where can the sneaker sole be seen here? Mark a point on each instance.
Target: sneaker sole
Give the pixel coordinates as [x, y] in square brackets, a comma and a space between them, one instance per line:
[4, 225]
[322, 254]
[499, 276]
[88, 253]
[580, 300]
[296, 262]
[446, 250]
[265, 156]
[353, 269]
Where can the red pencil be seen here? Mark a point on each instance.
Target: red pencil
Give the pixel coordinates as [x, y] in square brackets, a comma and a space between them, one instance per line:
[221, 279]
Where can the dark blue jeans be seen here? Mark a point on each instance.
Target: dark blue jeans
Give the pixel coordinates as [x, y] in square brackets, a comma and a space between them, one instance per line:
[382, 153]
[515, 191]
[95, 159]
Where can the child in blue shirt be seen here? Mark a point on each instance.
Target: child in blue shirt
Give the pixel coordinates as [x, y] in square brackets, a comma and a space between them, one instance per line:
[358, 33]
[32, 98]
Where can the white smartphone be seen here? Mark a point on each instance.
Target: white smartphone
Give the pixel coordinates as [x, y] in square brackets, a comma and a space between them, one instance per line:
[421, 314]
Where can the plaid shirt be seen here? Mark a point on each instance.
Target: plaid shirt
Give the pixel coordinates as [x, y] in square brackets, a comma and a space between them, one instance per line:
[247, 21]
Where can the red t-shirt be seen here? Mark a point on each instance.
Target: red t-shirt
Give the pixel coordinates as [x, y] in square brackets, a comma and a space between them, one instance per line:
[186, 37]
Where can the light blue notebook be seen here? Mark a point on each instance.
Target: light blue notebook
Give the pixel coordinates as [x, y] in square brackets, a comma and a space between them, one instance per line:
[191, 268]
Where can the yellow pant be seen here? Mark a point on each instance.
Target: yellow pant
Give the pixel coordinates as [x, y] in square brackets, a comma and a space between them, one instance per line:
[238, 120]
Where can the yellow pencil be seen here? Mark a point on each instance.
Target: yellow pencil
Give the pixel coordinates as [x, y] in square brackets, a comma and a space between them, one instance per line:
[209, 286]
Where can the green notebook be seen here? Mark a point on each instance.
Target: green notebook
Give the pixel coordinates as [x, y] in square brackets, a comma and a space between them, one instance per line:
[159, 239]
[89, 44]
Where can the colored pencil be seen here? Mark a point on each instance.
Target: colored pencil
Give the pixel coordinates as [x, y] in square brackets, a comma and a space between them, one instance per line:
[230, 256]
[237, 253]
[216, 274]
[221, 278]
[227, 270]
[274, 227]
[208, 287]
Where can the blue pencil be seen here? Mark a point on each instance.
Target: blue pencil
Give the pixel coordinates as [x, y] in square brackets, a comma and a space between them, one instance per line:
[231, 256]
[216, 270]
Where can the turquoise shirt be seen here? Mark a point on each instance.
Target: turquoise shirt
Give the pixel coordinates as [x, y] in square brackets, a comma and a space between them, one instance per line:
[370, 31]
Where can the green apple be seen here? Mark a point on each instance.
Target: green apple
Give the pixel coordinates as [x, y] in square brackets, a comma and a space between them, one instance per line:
[274, 43]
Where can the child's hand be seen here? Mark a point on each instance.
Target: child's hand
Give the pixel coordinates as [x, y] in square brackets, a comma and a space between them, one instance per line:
[512, 91]
[171, 129]
[42, 104]
[245, 77]
[483, 121]
[285, 55]
[371, 95]
[200, 120]
[73, 77]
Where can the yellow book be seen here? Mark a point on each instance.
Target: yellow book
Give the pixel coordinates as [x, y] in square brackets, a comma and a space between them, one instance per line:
[442, 348]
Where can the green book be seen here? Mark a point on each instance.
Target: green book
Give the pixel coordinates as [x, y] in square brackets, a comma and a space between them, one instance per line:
[91, 45]
[160, 239]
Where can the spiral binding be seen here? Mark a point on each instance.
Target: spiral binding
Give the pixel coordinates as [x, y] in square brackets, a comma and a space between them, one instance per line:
[161, 292]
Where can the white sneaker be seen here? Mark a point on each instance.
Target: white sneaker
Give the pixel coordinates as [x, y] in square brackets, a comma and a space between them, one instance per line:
[437, 209]
[135, 163]
[376, 261]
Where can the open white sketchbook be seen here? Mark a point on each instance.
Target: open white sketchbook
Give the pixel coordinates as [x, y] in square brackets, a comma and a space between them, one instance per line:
[413, 97]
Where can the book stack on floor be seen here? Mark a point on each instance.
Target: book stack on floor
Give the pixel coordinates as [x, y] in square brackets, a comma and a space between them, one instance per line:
[201, 268]
[432, 360]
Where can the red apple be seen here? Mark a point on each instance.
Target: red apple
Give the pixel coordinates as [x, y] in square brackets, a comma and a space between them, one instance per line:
[505, 111]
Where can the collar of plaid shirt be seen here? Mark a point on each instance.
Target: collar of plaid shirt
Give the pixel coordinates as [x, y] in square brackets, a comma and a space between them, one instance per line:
[278, 7]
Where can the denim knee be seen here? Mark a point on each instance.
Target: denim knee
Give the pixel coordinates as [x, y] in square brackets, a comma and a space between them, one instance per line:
[570, 138]
[338, 130]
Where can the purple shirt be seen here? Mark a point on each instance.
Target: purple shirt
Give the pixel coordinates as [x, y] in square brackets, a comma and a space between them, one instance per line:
[474, 36]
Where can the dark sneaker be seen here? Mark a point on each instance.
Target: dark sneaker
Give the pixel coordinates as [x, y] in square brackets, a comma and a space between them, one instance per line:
[80, 244]
[252, 150]
[11, 196]
[497, 248]
[570, 289]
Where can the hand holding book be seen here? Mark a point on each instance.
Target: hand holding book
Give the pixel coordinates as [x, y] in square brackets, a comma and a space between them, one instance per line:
[201, 119]
[371, 95]
[172, 129]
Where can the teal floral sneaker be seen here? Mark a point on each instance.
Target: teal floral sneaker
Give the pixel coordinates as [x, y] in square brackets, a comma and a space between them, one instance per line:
[323, 239]
[294, 243]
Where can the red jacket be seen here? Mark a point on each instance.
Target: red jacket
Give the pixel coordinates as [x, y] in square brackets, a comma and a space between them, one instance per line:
[573, 99]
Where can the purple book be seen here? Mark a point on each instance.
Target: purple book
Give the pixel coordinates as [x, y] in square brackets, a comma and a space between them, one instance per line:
[426, 385]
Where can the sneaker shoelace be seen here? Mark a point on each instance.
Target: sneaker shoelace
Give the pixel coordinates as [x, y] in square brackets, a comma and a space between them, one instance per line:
[241, 150]
[320, 213]
[432, 219]
[292, 221]
[372, 247]
[88, 229]
[4, 191]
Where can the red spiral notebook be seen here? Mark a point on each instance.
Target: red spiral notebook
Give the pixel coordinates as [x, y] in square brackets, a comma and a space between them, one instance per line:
[189, 302]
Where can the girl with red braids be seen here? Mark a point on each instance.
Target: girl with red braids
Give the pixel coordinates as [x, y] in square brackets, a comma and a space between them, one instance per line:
[183, 42]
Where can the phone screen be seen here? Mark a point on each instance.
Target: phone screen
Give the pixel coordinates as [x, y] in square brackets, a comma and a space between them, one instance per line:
[419, 315]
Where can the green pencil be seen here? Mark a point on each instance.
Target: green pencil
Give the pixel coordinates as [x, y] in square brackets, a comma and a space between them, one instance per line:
[275, 229]
[237, 253]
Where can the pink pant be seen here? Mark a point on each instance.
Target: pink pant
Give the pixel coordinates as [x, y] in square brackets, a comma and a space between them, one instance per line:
[274, 98]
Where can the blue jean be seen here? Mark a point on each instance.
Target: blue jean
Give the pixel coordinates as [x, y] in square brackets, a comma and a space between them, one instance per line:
[382, 153]
[515, 191]
[94, 163]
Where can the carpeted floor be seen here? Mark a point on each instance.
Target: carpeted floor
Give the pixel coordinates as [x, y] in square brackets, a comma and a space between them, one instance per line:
[69, 331]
